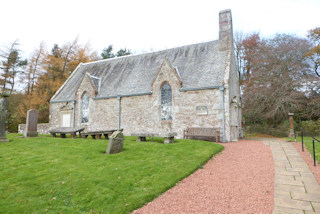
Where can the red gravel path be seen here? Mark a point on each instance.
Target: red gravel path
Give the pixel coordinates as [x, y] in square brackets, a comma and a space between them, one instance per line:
[309, 160]
[239, 180]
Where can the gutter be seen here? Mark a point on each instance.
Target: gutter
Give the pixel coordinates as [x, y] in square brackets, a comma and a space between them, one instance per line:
[223, 119]
[62, 101]
[140, 94]
[126, 95]
[119, 114]
[197, 89]
[74, 111]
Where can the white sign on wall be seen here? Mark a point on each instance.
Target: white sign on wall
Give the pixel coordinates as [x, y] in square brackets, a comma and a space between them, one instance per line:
[202, 110]
[66, 120]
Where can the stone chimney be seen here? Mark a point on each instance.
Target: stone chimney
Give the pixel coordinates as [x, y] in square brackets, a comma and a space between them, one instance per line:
[225, 30]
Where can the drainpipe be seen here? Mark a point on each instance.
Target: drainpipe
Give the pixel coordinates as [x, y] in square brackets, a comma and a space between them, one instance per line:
[74, 111]
[119, 114]
[223, 123]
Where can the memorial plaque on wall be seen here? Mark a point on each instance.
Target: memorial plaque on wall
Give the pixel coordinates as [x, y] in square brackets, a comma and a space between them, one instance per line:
[201, 110]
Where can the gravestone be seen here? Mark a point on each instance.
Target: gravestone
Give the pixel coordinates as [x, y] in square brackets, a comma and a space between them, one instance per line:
[3, 117]
[31, 124]
[115, 143]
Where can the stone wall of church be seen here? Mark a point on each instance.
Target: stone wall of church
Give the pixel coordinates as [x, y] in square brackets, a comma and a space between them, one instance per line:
[143, 114]
[234, 101]
[55, 113]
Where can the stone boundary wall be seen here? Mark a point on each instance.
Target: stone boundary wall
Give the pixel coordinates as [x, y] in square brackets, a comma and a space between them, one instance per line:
[42, 128]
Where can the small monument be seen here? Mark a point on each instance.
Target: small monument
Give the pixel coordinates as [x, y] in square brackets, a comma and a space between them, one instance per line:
[3, 117]
[115, 143]
[31, 124]
[291, 133]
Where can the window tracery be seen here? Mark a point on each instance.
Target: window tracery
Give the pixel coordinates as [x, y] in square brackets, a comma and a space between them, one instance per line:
[166, 102]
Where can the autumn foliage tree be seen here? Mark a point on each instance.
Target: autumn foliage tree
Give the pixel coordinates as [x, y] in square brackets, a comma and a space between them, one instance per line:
[56, 66]
[314, 53]
[277, 74]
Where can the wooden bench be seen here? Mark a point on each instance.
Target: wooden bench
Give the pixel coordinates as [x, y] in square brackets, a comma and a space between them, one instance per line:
[202, 133]
[98, 134]
[65, 130]
[168, 137]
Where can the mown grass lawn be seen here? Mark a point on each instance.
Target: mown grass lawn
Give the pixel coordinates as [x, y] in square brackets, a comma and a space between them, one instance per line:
[54, 175]
[307, 141]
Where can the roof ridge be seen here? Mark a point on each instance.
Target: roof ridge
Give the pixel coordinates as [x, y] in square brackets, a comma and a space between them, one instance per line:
[141, 54]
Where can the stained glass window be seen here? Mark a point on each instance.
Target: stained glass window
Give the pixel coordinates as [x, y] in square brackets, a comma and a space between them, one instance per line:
[85, 108]
[166, 102]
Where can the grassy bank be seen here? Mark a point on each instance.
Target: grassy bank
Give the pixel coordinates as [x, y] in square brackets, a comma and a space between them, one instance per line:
[55, 175]
[307, 141]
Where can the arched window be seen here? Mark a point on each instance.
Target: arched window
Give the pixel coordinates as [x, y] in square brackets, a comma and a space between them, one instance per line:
[166, 102]
[85, 108]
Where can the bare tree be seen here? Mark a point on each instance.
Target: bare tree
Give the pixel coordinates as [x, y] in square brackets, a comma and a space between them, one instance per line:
[33, 70]
[69, 51]
[238, 38]
[279, 75]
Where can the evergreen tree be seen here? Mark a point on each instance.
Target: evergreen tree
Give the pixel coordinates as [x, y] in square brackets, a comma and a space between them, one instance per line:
[11, 65]
[107, 53]
[123, 52]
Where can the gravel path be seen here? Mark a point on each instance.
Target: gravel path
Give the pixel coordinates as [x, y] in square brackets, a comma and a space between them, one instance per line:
[239, 180]
[309, 160]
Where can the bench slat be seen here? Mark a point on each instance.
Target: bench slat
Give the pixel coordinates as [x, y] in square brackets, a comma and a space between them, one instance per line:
[202, 132]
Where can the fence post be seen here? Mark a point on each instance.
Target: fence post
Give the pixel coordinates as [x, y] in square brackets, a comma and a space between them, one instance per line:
[302, 140]
[314, 153]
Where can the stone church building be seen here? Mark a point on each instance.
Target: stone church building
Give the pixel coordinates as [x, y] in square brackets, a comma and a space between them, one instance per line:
[165, 91]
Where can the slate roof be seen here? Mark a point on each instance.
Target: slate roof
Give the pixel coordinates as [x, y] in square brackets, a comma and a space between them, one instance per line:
[199, 65]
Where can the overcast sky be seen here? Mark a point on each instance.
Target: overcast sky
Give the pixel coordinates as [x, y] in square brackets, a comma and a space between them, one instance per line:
[146, 25]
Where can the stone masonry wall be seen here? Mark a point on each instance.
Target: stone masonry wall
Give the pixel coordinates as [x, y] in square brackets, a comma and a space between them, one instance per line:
[55, 113]
[42, 128]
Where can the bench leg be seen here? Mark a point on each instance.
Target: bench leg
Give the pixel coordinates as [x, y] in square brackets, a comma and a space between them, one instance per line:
[93, 136]
[106, 136]
[73, 135]
[99, 136]
[63, 135]
[84, 136]
[53, 134]
[168, 140]
[140, 139]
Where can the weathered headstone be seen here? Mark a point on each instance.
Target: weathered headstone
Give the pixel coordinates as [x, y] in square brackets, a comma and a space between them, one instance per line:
[115, 143]
[3, 117]
[291, 133]
[31, 124]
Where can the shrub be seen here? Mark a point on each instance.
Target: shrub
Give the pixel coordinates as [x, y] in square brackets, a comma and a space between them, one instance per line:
[313, 127]
[263, 129]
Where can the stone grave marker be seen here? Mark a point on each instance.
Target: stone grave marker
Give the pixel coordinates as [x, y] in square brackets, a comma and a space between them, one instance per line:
[115, 143]
[3, 117]
[31, 124]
